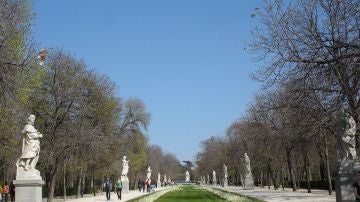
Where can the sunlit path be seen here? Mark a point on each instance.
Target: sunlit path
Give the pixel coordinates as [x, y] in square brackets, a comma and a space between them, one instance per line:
[101, 196]
[272, 195]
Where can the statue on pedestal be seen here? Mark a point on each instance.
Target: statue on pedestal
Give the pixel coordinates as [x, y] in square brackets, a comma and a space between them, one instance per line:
[148, 175]
[165, 180]
[159, 180]
[30, 146]
[347, 164]
[214, 178]
[125, 169]
[28, 181]
[346, 130]
[187, 176]
[225, 176]
[249, 181]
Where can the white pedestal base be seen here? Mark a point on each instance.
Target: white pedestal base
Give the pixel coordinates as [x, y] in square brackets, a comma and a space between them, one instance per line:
[346, 177]
[28, 190]
[125, 182]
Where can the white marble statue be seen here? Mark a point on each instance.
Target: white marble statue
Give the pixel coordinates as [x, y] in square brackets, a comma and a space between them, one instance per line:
[187, 176]
[346, 130]
[159, 179]
[214, 177]
[249, 182]
[169, 180]
[247, 164]
[148, 175]
[125, 169]
[30, 146]
[225, 176]
[165, 179]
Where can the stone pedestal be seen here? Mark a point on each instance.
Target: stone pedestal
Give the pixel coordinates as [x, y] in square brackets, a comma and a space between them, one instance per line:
[249, 182]
[125, 182]
[345, 179]
[226, 182]
[28, 190]
[28, 186]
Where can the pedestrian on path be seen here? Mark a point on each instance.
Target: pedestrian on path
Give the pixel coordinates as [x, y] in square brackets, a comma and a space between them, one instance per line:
[6, 191]
[139, 185]
[12, 192]
[107, 187]
[143, 185]
[118, 186]
[1, 192]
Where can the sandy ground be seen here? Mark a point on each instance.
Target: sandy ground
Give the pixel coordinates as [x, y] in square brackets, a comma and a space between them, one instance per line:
[102, 197]
[272, 195]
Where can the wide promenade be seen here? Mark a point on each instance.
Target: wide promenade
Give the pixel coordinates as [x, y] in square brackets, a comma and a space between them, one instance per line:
[280, 195]
[102, 197]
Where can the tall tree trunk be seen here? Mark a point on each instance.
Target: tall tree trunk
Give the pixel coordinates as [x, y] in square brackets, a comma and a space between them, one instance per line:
[306, 164]
[268, 179]
[64, 181]
[291, 170]
[83, 183]
[328, 174]
[92, 178]
[79, 183]
[261, 179]
[282, 178]
[307, 167]
[52, 179]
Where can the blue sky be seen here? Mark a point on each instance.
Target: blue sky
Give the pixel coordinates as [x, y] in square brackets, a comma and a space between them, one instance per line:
[185, 59]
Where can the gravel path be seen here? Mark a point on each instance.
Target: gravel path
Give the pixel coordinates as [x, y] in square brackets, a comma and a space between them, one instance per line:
[272, 195]
[102, 197]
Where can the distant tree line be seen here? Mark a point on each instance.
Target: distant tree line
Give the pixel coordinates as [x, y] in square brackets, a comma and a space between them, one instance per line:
[310, 56]
[87, 128]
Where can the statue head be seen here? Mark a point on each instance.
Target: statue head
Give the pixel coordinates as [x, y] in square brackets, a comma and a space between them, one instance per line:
[31, 119]
[124, 158]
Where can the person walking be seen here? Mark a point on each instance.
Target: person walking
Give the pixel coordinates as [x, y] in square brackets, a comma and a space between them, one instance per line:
[143, 186]
[107, 187]
[6, 191]
[118, 186]
[1, 192]
[12, 192]
[139, 185]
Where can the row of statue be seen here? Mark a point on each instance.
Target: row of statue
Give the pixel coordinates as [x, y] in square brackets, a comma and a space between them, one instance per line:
[346, 129]
[347, 158]
[125, 171]
[248, 184]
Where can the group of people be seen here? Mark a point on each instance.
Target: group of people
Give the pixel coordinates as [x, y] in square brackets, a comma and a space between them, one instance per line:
[6, 191]
[144, 184]
[108, 188]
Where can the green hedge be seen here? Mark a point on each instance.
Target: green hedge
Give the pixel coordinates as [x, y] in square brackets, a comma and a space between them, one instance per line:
[318, 184]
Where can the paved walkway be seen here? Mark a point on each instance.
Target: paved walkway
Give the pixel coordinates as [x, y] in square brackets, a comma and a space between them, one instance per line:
[272, 195]
[102, 197]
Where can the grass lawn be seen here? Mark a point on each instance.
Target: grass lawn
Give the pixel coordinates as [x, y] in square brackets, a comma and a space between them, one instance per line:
[189, 193]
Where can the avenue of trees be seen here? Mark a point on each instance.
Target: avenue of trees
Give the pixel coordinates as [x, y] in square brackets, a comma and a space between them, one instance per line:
[310, 56]
[87, 128]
